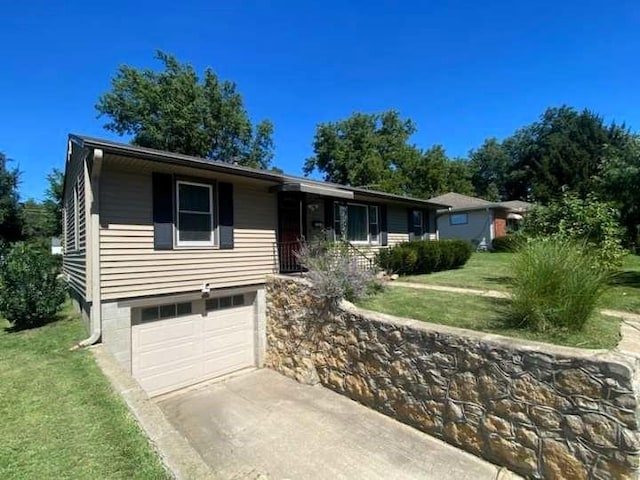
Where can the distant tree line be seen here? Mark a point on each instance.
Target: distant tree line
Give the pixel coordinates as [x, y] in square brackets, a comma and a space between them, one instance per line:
[564, 151]
[31, 219]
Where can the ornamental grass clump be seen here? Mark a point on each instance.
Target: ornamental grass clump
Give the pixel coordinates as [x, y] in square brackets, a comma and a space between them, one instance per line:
[555, 286]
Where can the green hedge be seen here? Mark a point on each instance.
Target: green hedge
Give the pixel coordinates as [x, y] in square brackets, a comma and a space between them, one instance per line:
[425, 256]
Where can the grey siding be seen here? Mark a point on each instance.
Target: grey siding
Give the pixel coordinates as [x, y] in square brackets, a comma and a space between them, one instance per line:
[477, 230]
[74, 232]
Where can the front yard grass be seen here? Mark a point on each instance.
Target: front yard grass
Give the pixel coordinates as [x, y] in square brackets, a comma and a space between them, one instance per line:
[485, 315]
[490, 271]
[59, 417]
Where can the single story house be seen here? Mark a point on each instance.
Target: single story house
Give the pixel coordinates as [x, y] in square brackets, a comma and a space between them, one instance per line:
[166, 255]
[477, 220]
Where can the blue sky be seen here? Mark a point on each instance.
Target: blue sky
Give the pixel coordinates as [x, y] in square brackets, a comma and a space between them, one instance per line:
[463, 71]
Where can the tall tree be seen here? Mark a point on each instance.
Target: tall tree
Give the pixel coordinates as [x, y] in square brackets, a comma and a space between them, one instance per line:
[460, 177]
[53, 202]
[490, 167]
[174, 110]
[37, 222]
[619, 183]
[10, 219]
[563, 151]
[362, 150]
[426, 174]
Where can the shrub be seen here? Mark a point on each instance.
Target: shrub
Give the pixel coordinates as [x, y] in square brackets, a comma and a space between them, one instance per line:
[424, 256]
[30, 291]
[590, 222]
[508, 243]
[334, 273]
[555, 286]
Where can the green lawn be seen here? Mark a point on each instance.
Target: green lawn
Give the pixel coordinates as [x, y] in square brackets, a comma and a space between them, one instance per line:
[490, 271]
[58, 416]
[485, 315]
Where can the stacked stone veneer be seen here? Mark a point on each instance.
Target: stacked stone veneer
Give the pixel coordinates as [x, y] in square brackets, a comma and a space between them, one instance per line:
[542, 411]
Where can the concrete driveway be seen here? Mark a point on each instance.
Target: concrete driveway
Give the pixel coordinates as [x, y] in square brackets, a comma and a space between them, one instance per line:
[264, 423]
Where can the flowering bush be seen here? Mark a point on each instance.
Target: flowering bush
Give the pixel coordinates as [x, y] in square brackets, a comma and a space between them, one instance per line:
[335, 273]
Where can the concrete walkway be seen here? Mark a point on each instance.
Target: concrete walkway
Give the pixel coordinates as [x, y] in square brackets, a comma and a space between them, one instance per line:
[292, 431]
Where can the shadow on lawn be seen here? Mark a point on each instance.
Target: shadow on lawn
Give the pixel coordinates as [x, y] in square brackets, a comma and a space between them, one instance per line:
[627, 278]
[498, 280]
[9, 328]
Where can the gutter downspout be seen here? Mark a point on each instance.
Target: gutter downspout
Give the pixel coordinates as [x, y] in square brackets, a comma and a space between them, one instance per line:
[94, 225]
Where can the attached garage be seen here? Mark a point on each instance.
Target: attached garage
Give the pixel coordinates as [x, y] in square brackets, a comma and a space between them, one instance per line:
[175, 345]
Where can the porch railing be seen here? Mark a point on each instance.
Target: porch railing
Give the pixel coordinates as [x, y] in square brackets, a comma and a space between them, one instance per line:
[288, 261]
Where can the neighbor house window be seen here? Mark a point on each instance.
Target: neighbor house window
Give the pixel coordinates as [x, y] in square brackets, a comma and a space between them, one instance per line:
[459, 219]
[417, 223]
[357, 223]
[195, 225]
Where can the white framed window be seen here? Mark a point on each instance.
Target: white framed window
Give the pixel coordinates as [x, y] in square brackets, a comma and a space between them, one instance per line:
[357, 223]
[374, 224]
[458, 219]
[195, 214]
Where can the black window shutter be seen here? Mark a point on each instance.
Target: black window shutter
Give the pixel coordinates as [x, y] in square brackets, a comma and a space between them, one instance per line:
[328, 218]
[384, 231]
[410, 224]
[225, 211]
[162, 211]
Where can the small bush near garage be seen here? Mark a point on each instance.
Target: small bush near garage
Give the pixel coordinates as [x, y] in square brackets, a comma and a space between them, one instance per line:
[425, 256]
[335, 272]
[30, 291]
[508, 243]
[555, 286]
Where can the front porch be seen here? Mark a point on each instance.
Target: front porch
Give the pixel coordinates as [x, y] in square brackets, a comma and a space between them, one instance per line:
[364, 221]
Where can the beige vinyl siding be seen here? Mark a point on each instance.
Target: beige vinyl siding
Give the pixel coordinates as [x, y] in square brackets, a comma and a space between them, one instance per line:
[129, 265]
[74, 234]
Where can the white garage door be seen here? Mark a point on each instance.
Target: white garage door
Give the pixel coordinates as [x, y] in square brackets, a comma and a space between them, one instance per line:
[176, 345]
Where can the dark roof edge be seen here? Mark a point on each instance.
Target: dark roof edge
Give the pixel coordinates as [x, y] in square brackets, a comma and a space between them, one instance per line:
[190, 161]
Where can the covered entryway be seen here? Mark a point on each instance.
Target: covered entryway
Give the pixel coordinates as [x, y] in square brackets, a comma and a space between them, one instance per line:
[175, 345]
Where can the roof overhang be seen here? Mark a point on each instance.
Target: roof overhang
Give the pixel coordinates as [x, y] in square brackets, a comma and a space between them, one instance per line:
[324, 190]
[283, 182]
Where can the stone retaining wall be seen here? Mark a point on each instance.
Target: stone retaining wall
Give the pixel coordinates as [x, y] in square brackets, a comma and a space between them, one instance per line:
[540, 410]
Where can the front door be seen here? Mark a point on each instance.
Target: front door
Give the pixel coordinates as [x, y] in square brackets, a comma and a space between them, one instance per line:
[290, 229]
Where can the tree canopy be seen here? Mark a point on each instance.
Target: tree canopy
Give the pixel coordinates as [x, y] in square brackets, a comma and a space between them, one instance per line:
[175, 110]
[10, 219]
[373, 151]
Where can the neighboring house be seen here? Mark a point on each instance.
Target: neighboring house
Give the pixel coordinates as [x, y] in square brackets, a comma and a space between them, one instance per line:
[477, 220]
[166, 255]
